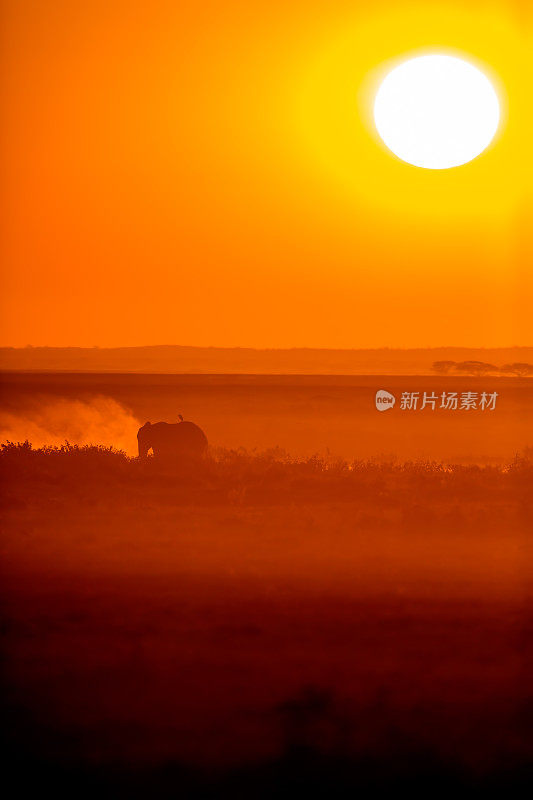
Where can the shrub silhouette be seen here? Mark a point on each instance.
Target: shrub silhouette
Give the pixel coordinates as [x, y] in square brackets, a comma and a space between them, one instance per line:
[475, 367]
[94, 474]
[518, 368]
[443, 367]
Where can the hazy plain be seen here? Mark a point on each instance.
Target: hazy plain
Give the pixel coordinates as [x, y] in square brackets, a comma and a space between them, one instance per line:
[266, 620]
[301, 414]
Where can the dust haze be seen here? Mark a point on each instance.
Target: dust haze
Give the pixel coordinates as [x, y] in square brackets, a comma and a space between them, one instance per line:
[98, 421]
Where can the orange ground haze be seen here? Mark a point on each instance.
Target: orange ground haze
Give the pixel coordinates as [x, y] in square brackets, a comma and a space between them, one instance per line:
[209, 174]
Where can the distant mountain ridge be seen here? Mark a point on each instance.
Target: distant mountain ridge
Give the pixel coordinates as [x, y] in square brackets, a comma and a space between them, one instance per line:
[244, 360]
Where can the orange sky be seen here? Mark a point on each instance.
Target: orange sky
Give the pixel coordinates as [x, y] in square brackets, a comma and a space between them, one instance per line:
[207, 173]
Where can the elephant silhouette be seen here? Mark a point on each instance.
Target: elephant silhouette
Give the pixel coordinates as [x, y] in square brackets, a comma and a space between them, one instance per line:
[170, 441]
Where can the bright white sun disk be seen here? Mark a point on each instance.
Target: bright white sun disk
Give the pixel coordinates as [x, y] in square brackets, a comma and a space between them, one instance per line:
[436, 111]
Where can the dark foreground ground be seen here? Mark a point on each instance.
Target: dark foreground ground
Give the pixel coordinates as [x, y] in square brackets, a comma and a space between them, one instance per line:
[259, 624]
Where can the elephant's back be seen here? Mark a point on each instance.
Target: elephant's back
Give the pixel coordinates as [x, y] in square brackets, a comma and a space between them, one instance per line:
[190, 432]
[180, 436]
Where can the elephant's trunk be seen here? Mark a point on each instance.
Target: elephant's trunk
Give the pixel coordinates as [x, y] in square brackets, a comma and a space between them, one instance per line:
[143, 450]
[143, 439]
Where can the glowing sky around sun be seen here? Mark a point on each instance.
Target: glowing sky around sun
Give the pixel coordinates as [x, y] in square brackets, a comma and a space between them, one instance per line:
[212, 174]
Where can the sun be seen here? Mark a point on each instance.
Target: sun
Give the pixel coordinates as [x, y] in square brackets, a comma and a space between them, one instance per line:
[436, 111]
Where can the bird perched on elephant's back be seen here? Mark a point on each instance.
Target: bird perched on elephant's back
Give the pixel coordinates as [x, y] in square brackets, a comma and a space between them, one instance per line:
[180, 440]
